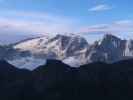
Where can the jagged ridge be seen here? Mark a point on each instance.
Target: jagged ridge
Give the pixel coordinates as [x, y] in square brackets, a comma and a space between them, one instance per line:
[74, 50]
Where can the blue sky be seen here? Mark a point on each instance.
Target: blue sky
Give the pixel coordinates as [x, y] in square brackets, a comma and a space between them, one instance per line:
[57, 16]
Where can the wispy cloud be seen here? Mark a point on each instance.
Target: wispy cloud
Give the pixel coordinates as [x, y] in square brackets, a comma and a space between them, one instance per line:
[124, 22]
[100, 7]
[122, 26]
[34, 22]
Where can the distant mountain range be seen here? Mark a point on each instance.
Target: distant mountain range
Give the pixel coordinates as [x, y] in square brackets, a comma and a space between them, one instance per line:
[73, 50]
[57, 81]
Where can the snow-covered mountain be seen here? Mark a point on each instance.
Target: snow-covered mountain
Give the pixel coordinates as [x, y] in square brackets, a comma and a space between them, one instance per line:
[59, 47]
[71, 49]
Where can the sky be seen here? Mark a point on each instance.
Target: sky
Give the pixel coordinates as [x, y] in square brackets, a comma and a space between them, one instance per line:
[92, 18]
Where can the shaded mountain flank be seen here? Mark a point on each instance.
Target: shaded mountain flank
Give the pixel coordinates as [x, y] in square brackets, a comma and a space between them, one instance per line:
[58, 81]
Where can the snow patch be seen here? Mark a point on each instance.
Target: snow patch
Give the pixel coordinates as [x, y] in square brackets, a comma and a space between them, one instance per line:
[29, 63]
[71, 61]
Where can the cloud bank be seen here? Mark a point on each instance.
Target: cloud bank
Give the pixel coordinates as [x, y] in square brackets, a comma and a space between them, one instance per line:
[122, 26]
[14, 22]
[34, 22]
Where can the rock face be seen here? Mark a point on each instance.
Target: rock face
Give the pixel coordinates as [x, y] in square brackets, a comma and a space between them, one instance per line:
[109, 49]
[71, 49]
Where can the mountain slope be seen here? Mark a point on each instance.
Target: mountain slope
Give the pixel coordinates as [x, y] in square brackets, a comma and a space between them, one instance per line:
[71, 49]
[12, 81]
[59, 47]
[107, 50]
[57, 81]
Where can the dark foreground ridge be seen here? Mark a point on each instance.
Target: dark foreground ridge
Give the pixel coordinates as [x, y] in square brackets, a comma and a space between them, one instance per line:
[57, 81]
